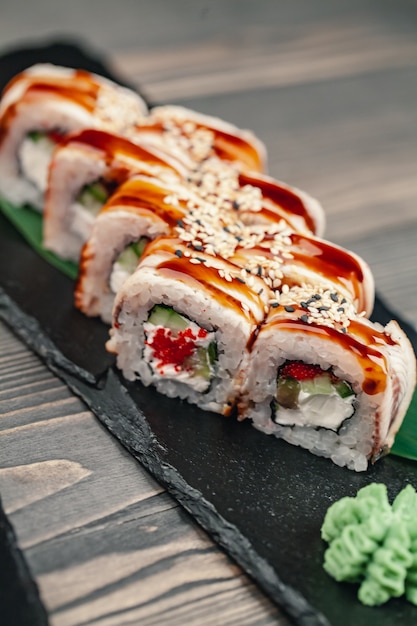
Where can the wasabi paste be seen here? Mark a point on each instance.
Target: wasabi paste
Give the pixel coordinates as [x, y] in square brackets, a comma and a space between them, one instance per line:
[374, 544]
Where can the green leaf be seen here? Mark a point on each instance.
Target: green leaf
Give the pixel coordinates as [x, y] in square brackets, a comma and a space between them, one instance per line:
[29, 223]
[405, 444]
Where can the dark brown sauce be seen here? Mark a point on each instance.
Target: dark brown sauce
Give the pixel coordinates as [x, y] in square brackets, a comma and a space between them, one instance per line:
[330, 261]
[86, 98]
[141, 194]
[234, 148]
[227, 146]
[321, 254]
[208, 278]
[113, 145]
[282, 197]
[372, 361]
[228, 294]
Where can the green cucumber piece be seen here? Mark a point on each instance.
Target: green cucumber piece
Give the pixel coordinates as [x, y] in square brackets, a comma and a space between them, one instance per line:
[159, 315]
[98, 191]
[93, 196]
[130, 256]
[165, 316]
[128, 259]
[344, 389]
[201, 363]
[288, 390]
[36, 135]
[139, 246]
[212, 352]
[319, 385]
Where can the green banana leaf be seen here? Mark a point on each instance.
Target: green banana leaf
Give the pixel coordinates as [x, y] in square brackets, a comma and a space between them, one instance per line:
[405, 444]
[29, 223]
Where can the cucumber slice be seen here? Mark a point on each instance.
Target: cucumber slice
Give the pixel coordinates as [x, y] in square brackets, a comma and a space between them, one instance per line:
[129, 257]
[319, 385]
[288, 390]
[212, 352]
[98, 191]
[36, 135]
[92, 197]
[201, 363]
[344, 389]
[162, 315]
[159, 315]
[139, 246]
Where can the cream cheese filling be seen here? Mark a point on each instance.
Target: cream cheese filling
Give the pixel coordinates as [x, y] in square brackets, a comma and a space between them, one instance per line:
[317, 410]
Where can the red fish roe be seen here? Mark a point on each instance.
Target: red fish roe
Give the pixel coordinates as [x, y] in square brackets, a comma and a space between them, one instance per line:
[300, 371]
[55, 135]
[170, 349]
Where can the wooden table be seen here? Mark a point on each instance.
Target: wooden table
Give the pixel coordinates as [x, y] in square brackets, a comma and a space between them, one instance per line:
[331, 88]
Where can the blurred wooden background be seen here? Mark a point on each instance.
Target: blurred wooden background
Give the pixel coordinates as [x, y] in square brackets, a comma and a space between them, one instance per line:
[331, 88]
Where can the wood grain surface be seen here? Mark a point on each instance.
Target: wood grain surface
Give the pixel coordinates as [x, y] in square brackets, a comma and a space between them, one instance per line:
[331, 89]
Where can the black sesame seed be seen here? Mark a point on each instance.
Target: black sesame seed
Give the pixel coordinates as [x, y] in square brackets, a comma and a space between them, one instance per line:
[226, 229]
[274, 305]
[323, 308]
[259, 270]
[344, 329]
[199, 248]
[334, 297]
[317, 296]
[344, 301]
[304, 305]
[304, 318]
[289, 309]
[180, 223]
[236, 205]
[200, 259]
[178, 253]
[241, 280]
[340, 309]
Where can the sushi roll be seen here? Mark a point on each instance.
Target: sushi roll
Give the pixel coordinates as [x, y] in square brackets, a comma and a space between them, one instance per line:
[202, 136]
[279, 201]
[86, 169]
[183, 321]
[321, 377]
[259, 200]
[283, 257]
[40, 106]
[140, 210]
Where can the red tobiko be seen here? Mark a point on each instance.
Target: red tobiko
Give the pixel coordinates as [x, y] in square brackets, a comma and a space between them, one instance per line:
[169, 349]
[300, 370]
[55, 136]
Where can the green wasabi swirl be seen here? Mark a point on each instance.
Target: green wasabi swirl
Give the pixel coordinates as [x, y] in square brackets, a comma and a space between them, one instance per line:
[374, 544]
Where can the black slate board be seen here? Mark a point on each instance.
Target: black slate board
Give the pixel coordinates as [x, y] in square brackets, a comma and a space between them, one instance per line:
[261, 499]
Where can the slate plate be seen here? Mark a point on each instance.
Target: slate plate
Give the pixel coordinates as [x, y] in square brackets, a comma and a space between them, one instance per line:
[261, 499]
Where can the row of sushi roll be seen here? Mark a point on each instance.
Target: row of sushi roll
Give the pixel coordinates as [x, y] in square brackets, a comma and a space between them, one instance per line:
[214, 276]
